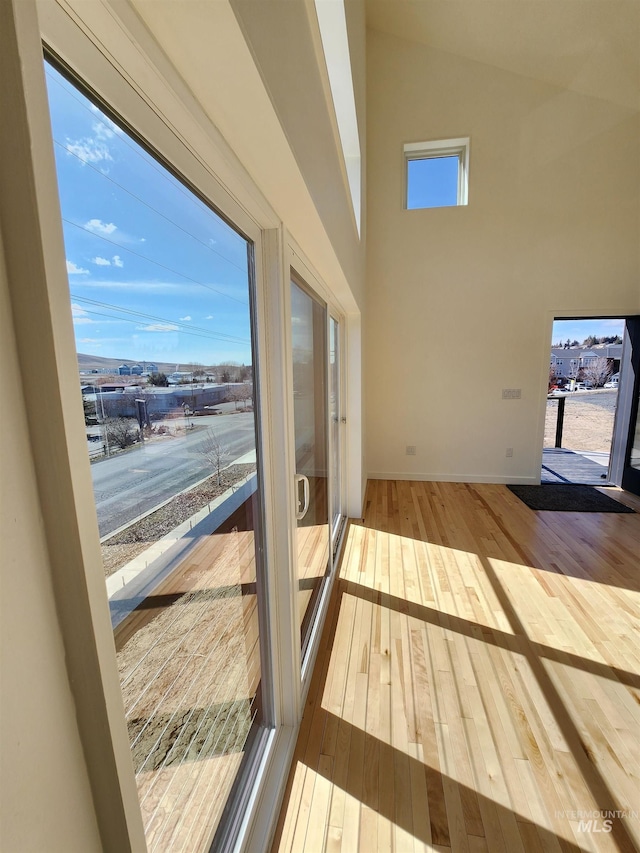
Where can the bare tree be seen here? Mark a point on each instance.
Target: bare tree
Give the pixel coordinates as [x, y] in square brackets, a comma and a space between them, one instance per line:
[229, 371]
[245, 393]
[597, 371]
[197, 370]
[240, 393]
[121, 431]
[215, 452]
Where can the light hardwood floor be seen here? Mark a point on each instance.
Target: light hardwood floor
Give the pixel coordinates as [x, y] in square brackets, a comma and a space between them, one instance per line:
[477, 687]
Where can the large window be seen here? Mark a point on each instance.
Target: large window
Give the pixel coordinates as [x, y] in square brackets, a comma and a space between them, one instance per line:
[161, 297]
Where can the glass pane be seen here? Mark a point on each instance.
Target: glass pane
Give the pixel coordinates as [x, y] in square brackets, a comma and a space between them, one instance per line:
[308, 320]
[432, 182]
[160, 298]
[634, 459]
[334, 412]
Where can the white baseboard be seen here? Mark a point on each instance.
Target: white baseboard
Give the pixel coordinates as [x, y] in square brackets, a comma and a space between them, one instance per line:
[454, 478]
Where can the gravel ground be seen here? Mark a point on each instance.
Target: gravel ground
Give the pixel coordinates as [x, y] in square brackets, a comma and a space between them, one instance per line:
[124, 546]
[588, 421]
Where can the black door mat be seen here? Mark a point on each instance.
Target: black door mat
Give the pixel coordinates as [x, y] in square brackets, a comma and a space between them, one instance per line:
[567, 497]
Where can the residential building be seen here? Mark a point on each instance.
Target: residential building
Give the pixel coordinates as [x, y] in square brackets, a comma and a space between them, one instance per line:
[567, 362]
[297, 122]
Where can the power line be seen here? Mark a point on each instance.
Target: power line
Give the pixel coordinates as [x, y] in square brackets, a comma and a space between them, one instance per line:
[151, 261]
[125, 137]
[150, 206]
[196, 331]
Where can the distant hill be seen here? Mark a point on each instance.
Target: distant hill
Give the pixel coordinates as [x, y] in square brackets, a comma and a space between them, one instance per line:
[98, 362]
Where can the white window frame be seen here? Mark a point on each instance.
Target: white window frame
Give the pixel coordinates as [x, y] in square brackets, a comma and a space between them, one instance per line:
[458, 148]
[301, 268]
[235, 198]
[134, 77]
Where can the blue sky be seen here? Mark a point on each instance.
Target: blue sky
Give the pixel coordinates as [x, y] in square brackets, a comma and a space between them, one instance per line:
[579, 330]
[154, 274]
[432, 182]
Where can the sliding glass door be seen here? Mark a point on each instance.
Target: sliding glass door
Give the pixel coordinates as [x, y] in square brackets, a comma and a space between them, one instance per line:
[309, 351]
[336, 420]
[631, 468]
[162, 295]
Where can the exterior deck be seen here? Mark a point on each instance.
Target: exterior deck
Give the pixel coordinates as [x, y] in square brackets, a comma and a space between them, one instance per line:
[572, 466]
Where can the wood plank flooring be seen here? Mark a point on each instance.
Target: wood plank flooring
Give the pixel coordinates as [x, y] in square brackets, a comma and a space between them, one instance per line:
[477, 686]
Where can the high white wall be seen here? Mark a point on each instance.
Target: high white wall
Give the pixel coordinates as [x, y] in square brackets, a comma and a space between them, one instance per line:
[46, 796]
[284, 39]
[460, 300]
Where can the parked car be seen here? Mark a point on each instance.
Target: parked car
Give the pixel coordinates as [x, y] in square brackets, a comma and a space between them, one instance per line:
[613, 381]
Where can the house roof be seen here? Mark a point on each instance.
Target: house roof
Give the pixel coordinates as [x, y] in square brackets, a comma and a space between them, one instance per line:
[606, 351]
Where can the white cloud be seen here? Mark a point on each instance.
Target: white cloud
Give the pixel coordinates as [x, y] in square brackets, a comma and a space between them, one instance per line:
[209, 317]
[89, 150]
[100, 227]
[105, 262]
[105, 128]
[185, 319]
[79, 315]
[158, 327]
[73, 269]
[95, 341]
[94, 149]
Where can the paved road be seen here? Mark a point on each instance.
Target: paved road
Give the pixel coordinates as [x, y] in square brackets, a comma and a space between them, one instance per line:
[131, 483]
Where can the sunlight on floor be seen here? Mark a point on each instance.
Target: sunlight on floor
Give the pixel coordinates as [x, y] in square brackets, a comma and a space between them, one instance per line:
[464, 699]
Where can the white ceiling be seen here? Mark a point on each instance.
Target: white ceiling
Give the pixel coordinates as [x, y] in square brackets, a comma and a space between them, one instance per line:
[588, 46]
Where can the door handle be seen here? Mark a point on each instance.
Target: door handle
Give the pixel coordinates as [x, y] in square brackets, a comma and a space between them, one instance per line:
[302, 511]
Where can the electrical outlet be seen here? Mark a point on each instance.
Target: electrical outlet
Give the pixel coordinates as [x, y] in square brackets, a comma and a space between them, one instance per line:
[509, 452]
[511, 393]
[411, 450]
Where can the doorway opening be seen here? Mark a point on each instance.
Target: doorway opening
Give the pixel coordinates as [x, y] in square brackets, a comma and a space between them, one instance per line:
[584, 372]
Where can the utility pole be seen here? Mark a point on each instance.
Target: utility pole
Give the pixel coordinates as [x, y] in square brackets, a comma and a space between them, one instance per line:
[105, 431]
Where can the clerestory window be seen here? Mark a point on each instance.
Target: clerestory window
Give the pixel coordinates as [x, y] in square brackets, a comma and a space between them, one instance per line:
[436, 173]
